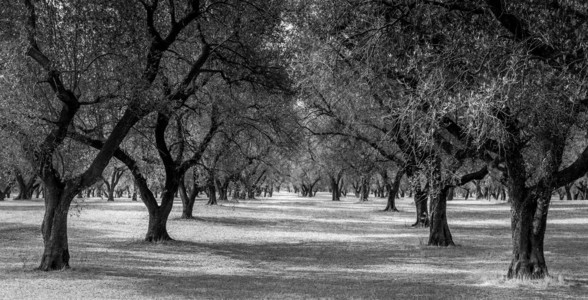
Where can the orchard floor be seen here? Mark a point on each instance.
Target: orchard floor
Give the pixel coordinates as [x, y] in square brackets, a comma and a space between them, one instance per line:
[288, 247]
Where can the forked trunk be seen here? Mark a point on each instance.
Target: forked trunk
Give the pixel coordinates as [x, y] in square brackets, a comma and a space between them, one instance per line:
[25, 186]
[188, 200]
[439, 234]
[158, 214]
[110, 195]
[223, 188]
[391, 205]
[54, 229]
[528, 221]
[187, 209]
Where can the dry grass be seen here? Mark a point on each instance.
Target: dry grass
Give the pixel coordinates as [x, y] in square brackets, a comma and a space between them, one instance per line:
[288, 247]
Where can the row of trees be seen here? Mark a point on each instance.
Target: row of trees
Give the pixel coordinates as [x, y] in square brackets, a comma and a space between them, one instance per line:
[449, 95]
[451, 92]
[146, 83]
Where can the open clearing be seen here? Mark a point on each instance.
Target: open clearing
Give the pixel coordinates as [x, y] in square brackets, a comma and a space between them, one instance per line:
[288, 247]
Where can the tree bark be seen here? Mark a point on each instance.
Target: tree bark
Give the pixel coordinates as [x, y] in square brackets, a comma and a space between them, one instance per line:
[479, 194]
[568, 188]
[439, 233]
[237, 192]
[5, 193]
[450, 194]
[187, 200]
[528, 221]
[157, 228]
[211, 192]
[336, 193]
[392, 190]
[110, 197]
[364, 189]
[223, 187]
[25, 186]
[54, 228]
[420, 201]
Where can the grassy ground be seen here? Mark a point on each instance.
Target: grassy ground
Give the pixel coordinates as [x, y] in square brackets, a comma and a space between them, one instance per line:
[288, 247]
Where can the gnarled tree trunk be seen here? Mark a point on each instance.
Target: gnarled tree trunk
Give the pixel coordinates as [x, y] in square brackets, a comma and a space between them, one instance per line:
[157, 228]
[158, 214]
[211, 191]
[26, 187]
[439, 233]
[528, 221]
[223, 188]
[392, 190]
[188, 199]
[54, 227]
[420, 201]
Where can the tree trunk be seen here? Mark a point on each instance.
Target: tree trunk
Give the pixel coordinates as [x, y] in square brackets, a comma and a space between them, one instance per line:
[54, 229]
[211, 194]
[110, 195]
[420, 201]
[158, 214]
[336, 193]
[38, 190]
[223, 188]
[393, 191]
[271, 190]
[250, 193]
[237, 192]
[528, 221]
[391, 204]
[450, 194]
[157, 229]
[439, 234]
[568, 188]
[25, 187]
[188, 200]
[479, 194]
[364, 191]
[5, 193]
